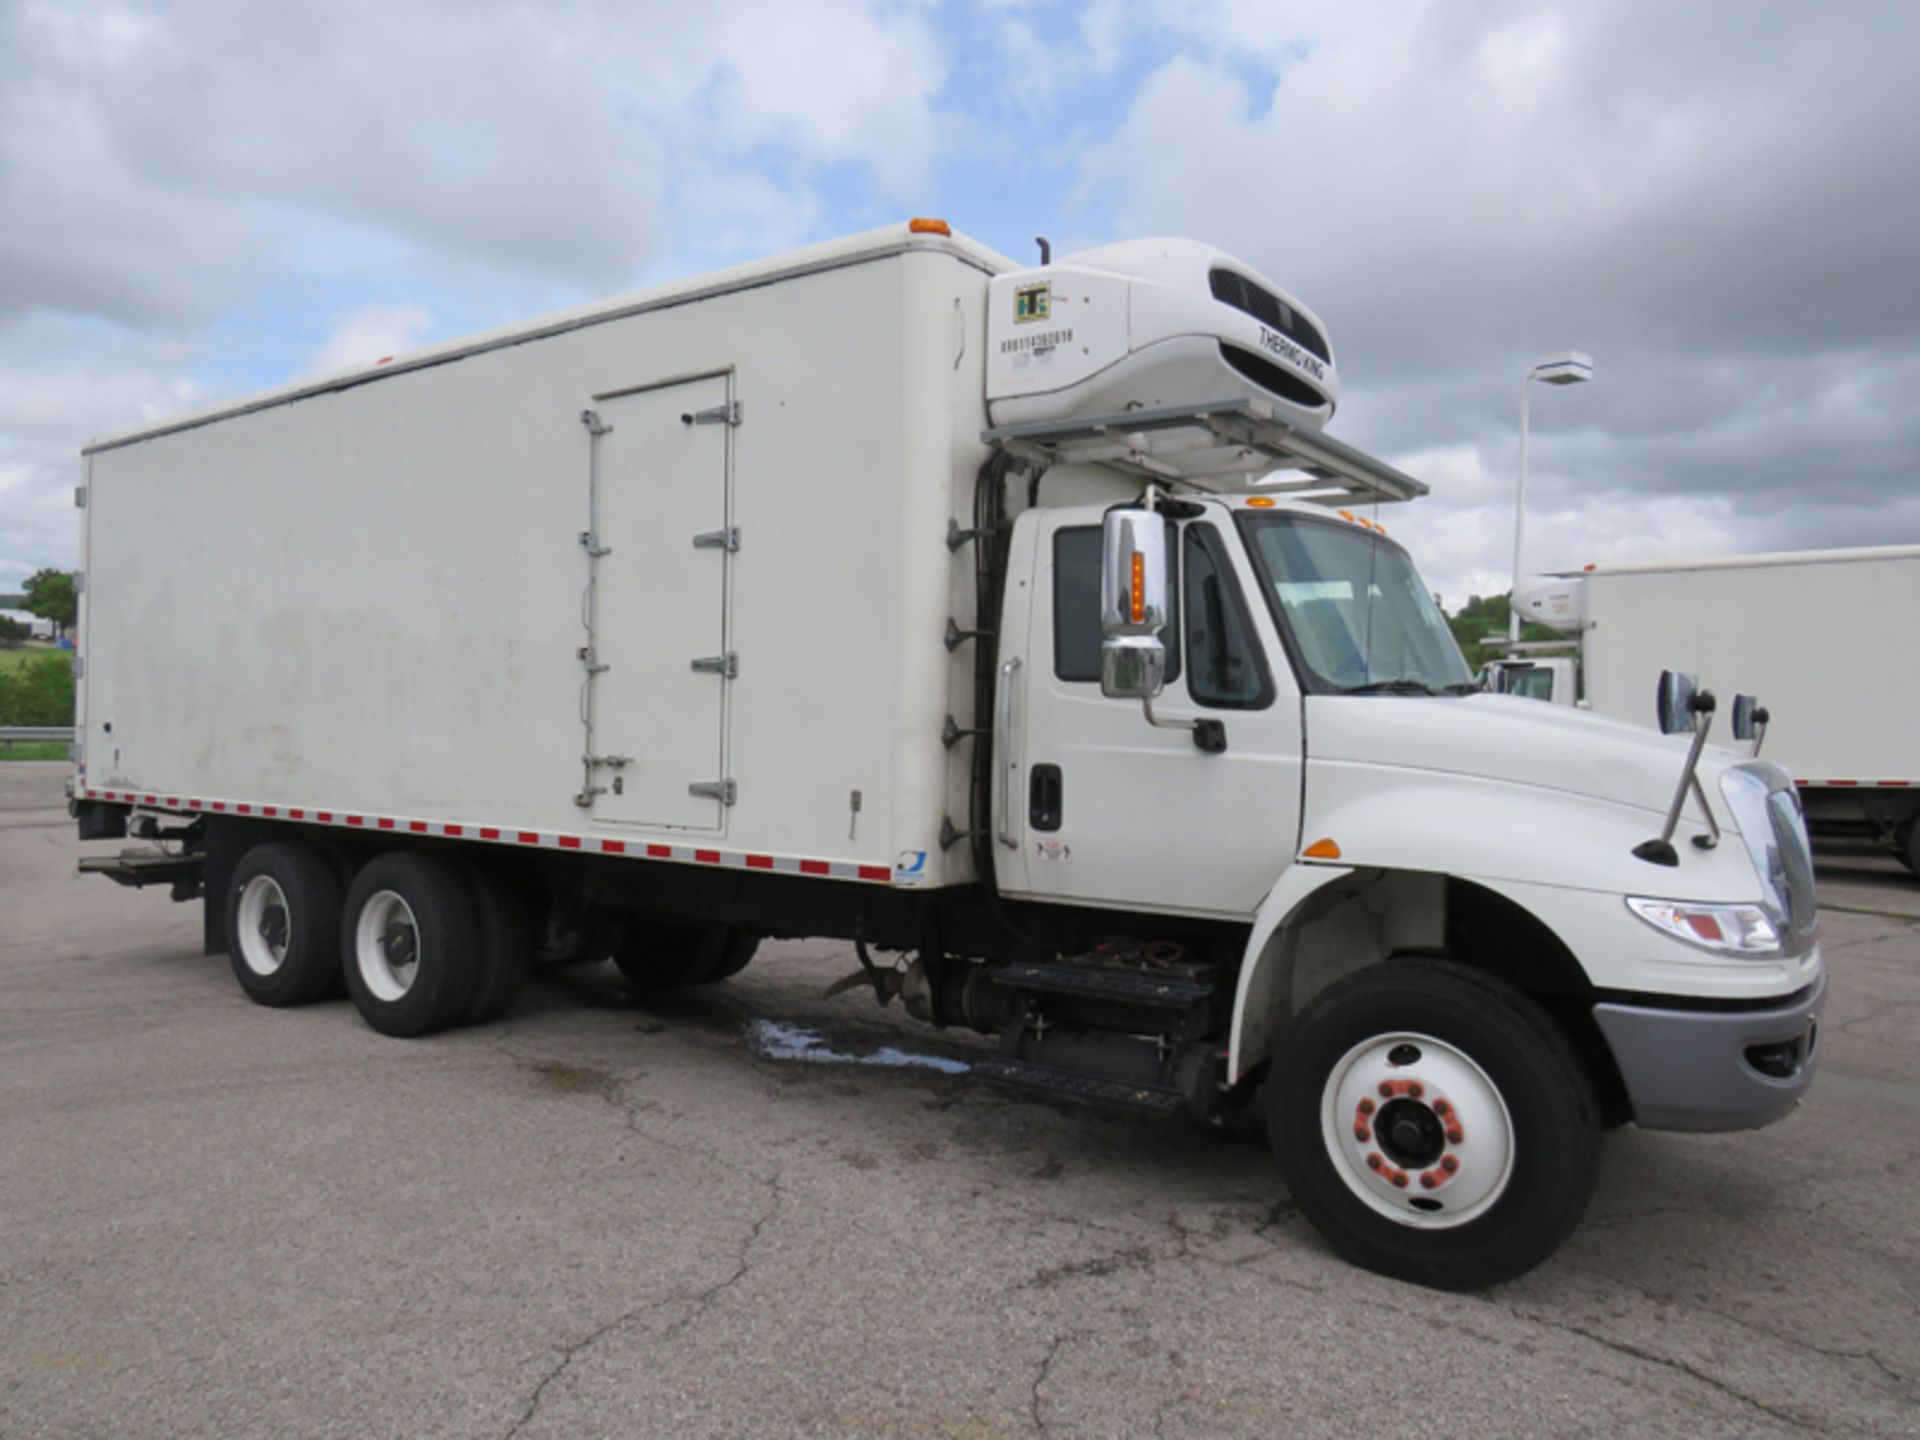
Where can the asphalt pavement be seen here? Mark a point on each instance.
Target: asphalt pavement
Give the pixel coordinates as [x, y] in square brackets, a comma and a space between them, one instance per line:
[754, 1212]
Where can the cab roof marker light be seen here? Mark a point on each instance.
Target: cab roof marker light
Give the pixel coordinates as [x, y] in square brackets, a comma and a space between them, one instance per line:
[1745, 930]
[1322, 849]
[925, 225]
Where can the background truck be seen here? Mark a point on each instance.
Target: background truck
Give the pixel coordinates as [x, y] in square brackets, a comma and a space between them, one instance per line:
[1783, 628]
[1020, 624]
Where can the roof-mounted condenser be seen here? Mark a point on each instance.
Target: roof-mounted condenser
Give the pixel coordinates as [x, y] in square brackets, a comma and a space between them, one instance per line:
[1152, 323]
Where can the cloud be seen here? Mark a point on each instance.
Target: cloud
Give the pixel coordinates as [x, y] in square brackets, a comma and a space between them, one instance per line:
[368, 335]
[177, 178]
[1717, 202]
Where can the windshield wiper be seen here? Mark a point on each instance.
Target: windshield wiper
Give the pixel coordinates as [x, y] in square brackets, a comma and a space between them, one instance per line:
[1405, 685]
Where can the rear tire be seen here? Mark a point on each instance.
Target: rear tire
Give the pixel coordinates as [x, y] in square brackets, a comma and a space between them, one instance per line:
[283, 924]
[656, 957]
[409, 944]
[1462, 1088]
[505, 950]
[1908, 846]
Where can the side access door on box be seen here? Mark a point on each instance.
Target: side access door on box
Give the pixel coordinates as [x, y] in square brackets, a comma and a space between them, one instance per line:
[659, 661]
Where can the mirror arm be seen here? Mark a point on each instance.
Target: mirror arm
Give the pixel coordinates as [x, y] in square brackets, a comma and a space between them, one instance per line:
[1208, 735]
[1660, 851]
[1712, 837]
[1760, 719]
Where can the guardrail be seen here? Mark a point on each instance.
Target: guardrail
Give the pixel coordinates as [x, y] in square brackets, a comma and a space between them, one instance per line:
[10, 733]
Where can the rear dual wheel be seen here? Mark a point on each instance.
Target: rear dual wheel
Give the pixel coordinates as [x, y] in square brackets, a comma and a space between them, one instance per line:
[283, 925]
[420, 942]
[657, 956]
[1434, 1124]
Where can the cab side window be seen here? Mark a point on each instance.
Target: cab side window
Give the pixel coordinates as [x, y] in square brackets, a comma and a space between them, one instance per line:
[1076, 607]
[1225, 668]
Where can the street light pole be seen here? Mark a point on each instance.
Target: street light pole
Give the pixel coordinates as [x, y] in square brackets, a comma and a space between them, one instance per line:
[1569, 369]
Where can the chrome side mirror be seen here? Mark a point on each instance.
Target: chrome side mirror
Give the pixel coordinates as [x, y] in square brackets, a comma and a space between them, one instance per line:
[1673, 702]
[1133, 604]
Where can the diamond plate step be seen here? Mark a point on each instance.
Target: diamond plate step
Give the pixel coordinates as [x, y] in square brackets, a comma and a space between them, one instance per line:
[1086, 1089]
[1106, 981]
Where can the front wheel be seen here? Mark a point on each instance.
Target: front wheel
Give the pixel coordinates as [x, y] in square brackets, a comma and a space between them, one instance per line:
[1434, 1124]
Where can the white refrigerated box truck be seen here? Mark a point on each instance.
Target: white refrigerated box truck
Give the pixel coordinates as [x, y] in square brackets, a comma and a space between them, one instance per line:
[1018, 623]
[1793, 631]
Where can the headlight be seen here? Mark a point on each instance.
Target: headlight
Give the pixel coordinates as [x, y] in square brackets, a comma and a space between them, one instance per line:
[1730, 929]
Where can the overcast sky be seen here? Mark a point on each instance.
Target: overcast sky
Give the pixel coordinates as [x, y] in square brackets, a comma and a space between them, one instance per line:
[1719, 201]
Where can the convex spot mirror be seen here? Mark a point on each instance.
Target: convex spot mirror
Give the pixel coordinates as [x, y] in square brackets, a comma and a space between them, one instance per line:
[1133, 604]
[1748, 717]
[1673, 702]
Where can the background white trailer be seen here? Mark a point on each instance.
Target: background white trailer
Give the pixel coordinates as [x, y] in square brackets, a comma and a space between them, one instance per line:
[1821, 637]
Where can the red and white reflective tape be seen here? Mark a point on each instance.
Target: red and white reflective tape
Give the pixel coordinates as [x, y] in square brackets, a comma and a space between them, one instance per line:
[506, 835]
[1856, 784]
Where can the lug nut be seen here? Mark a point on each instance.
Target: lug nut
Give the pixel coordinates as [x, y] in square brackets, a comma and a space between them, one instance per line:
[1362, 1133]
[1440, 1107]
[1366, 1107]
[1427, 1182]
[1455, 1135]
[1449, 1164]
[1416, 1089]
[1386, 1089]
[1399, 1179]
[1374, 1162]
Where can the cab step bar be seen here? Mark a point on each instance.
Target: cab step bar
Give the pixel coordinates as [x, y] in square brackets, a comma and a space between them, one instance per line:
[1155, 1100]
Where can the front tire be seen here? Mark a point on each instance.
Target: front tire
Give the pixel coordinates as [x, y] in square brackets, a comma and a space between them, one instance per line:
[283, 924]
[1434, 1124]
[409, 944]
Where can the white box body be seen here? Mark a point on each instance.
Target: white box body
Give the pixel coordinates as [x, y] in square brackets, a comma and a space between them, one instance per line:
[366, 597]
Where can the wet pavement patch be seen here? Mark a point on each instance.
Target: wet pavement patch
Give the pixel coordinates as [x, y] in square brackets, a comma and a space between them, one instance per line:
[774, 1040]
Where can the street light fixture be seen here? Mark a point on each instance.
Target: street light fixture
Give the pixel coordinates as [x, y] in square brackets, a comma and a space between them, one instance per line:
[1569, 369]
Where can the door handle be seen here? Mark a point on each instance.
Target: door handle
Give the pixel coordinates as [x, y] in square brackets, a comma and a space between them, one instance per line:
[1002, 742]
[1044, 794]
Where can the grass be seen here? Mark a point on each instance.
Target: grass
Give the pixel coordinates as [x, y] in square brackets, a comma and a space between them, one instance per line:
[14, 659]
[34, 750]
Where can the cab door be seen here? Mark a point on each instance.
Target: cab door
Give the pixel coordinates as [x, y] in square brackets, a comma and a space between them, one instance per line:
[1114, 811]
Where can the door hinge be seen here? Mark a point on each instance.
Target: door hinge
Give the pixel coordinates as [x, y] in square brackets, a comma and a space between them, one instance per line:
[616, 761]
[79, 667]
[592, 661]
[725, 791]
[590, 542]
[80, 497]
[595, 425]
[727, 665]
[79, 582]
[727, 414]
[727, 540]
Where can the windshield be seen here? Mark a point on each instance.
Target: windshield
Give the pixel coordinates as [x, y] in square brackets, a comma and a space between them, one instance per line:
[1353, 607]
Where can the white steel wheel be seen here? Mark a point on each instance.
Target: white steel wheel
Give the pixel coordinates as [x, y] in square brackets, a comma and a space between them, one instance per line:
[386, 945]
[410, 944]
[1434, 1123]
[262, 930]
[282, 923]
[1417, 1130]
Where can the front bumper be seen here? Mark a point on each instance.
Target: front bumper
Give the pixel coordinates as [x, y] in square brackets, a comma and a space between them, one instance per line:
[1715, 1069]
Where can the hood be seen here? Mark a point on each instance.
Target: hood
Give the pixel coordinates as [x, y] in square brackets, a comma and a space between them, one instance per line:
[1511, 739]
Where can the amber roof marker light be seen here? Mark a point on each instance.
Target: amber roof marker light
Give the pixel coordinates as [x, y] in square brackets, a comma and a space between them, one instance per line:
[924, 225]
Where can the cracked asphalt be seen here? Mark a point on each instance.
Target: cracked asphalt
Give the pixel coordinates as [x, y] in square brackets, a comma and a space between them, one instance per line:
[603, 1218]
